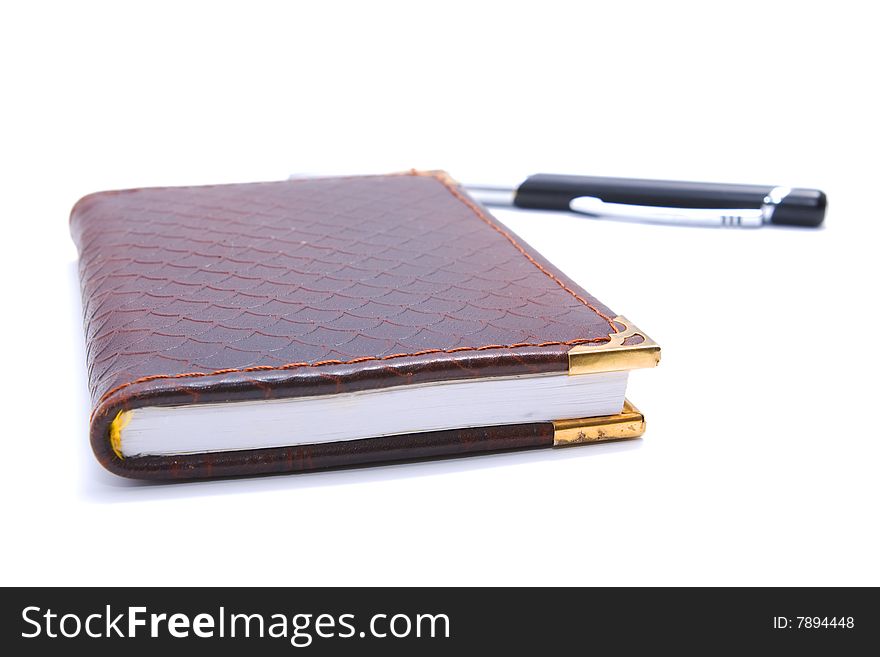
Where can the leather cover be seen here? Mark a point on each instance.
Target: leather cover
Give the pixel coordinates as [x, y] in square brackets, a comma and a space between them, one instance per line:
[313, 287]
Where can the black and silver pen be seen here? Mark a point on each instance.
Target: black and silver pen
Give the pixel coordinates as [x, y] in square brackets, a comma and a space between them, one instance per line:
[662, 201]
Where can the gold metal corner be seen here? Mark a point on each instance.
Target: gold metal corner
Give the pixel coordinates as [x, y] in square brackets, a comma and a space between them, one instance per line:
[116, 426]
[629, 423]
[614, 355]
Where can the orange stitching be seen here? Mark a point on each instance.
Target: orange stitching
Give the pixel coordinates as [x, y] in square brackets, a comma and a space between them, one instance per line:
[361, 359]
[482, 215]
[289, 366]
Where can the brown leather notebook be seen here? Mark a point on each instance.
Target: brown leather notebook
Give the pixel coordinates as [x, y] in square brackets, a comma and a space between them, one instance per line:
[316, 323]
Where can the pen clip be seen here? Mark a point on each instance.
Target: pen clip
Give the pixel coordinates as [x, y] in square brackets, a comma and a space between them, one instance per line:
[737, 217]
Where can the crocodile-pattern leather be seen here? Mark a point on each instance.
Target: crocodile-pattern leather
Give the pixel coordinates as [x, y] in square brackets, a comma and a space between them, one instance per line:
[302, 458]
[219, 293]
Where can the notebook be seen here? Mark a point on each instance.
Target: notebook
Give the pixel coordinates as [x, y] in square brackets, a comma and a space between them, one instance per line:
[317, 323]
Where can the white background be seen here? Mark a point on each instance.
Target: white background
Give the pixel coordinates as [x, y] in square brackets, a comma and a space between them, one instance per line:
[760, 464]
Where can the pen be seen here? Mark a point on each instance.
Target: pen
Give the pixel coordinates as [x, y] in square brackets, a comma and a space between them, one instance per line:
[662, 201]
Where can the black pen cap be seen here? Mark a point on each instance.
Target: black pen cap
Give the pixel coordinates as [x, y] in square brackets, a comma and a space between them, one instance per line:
[801, 207]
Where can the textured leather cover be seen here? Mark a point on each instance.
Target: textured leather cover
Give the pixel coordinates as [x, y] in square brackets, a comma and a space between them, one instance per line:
[312, 287]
